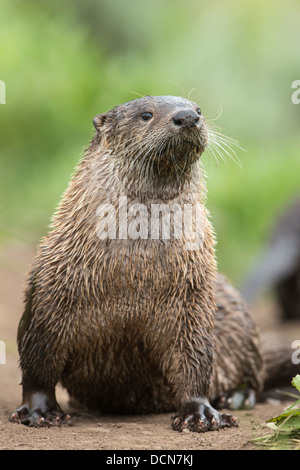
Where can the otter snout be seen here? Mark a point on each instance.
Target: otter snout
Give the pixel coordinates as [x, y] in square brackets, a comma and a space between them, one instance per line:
[185, 118]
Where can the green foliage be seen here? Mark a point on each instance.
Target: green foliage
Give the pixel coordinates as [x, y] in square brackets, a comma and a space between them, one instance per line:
[64, 62]
[285, 427]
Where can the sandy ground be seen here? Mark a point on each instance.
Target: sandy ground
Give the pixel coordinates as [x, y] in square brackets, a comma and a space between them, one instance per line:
[90, 432]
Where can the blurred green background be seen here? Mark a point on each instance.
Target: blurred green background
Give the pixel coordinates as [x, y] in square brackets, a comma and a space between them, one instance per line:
[65, 62]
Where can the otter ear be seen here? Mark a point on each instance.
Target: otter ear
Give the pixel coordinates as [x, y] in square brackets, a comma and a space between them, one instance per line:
[99, 120]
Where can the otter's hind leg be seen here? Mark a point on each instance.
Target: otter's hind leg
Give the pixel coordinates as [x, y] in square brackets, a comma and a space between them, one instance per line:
[41, 363]
[238, 370]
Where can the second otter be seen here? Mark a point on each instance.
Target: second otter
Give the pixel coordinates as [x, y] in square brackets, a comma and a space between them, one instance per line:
[134, 324]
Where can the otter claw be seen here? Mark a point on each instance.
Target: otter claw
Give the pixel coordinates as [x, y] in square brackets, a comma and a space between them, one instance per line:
[199, 416]
[38, 420]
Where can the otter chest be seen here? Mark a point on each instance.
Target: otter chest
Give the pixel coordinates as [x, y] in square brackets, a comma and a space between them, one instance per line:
[151, 266]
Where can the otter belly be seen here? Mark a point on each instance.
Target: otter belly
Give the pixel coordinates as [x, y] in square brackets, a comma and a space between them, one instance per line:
[117, 374]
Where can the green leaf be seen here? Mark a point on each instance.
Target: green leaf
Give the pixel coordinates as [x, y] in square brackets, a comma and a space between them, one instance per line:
[296, 382]
[285, 427]
[288, 412]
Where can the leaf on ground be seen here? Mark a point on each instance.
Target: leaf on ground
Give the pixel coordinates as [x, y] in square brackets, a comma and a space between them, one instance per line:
[296, 382]
[285, 427]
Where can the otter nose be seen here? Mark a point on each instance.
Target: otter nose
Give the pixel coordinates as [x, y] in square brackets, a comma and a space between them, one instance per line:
[185, 118]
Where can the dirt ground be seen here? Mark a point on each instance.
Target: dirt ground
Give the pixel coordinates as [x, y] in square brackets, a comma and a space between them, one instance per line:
[90, 432]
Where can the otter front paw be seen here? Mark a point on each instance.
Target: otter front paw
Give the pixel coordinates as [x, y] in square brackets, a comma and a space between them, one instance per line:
[199, 416]
[37, 418]
[40, 409]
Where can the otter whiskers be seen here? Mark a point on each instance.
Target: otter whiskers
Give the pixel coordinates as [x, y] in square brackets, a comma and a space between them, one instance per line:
[220, 145]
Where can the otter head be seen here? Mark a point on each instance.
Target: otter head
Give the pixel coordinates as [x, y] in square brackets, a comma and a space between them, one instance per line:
[156, 138]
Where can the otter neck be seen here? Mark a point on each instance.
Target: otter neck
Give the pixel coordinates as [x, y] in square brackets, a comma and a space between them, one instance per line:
[162, 185]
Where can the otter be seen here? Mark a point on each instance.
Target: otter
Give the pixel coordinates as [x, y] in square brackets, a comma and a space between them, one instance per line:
[127, 317]
[278, 268]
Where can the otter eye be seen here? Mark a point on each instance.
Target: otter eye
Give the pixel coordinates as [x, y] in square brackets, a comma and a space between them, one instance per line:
[198, 111]
[146, 116]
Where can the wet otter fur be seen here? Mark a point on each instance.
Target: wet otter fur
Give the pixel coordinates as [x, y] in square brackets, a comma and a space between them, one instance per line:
[135, 324]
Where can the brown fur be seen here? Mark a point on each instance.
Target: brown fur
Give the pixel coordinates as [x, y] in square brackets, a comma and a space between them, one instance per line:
[132, 326]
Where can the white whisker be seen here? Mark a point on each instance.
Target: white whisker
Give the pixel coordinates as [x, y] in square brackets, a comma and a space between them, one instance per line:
[223, 145]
